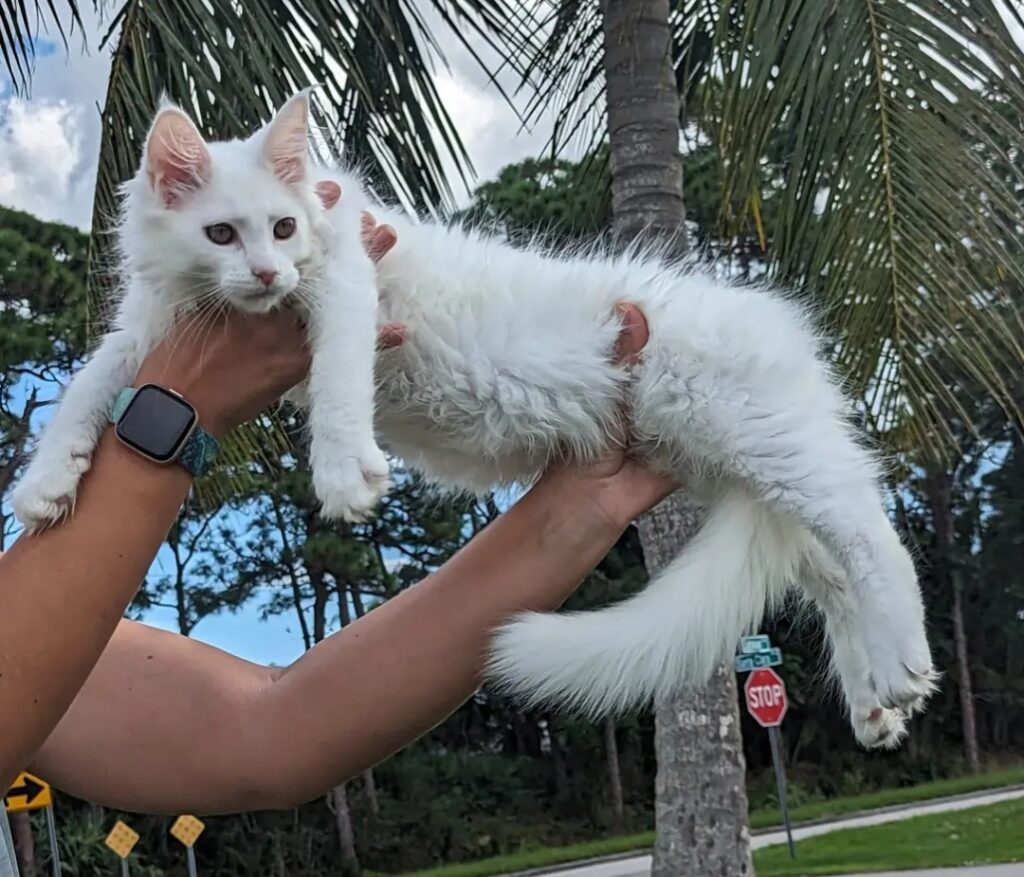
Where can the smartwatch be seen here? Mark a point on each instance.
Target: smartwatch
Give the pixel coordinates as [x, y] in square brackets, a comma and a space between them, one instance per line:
[161, 426]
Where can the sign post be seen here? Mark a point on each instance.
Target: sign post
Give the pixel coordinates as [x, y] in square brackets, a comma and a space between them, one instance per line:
[122, 840]
[767, 702]
[186, 830]
[28, 792]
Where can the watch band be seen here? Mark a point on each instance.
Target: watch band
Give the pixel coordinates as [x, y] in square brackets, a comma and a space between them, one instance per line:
[200, 448]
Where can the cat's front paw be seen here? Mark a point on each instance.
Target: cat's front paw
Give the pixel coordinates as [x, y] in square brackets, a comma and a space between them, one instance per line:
[350, 487]
[46, 495]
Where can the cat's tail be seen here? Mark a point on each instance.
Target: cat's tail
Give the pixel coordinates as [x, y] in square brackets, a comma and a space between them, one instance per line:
[677, 630]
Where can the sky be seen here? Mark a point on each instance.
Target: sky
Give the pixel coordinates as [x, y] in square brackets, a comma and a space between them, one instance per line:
[49, 145]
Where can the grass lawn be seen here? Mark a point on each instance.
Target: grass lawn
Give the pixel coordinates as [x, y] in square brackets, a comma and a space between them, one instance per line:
[979, 836]
[546, 857]
[889, 797]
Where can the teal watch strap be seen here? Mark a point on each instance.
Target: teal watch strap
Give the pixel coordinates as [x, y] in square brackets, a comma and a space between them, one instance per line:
[200, 449]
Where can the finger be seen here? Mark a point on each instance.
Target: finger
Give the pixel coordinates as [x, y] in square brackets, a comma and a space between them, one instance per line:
[382, 239]
[634, 334]
[390, 335]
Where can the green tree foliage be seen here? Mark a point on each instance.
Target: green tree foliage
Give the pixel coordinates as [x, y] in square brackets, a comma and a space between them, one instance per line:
[42, 329]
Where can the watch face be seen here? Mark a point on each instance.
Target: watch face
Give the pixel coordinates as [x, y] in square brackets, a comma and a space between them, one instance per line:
[156, 423]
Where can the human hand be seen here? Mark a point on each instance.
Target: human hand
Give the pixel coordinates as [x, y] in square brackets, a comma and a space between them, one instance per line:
[378, 241]
[233, 368]
[617, 488]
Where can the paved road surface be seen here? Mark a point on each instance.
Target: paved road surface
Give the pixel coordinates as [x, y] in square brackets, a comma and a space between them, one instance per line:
[640, 866]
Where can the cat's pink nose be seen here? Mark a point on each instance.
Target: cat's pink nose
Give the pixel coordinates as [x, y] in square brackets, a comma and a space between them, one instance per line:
[267, 278]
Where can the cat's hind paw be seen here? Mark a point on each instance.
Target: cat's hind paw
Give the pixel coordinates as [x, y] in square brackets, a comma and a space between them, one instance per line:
[905, 689]
[880, 728]
[351, 487]
[46, 495]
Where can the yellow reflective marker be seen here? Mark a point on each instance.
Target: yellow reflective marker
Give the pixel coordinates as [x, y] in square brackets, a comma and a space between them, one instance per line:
[27, 792]
[122, 839]
[187, 829]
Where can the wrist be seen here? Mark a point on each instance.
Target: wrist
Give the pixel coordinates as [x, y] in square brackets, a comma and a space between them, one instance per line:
[211, 412]
[570, 508]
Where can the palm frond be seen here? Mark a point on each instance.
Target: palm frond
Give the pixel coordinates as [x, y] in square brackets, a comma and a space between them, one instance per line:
[899, 207]
[21, 25]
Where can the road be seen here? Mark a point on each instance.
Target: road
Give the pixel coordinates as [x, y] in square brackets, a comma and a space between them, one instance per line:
[640, 866]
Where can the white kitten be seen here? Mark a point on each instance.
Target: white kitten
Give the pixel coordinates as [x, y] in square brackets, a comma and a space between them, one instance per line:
[507, 367]
[240, 223]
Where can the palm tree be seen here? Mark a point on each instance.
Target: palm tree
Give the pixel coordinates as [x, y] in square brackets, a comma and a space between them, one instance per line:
[697, 732]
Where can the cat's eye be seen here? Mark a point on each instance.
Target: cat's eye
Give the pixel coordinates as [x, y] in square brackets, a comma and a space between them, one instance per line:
[220, 233]
[284, 228]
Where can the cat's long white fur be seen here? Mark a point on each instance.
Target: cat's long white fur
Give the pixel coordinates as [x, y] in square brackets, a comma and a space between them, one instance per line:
[507, 367]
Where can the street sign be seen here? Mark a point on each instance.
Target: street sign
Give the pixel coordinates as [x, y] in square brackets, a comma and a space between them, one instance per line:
[768, 658]
[187, 829]
[122, 839]
[750, 645]
[766, 697]
[28, 792]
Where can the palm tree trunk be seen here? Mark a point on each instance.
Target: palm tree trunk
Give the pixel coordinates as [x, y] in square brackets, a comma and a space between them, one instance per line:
[701, 802]
[700, 807]
[643, 119]
[611, 751]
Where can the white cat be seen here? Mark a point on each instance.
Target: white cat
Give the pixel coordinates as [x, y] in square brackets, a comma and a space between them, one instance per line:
[507, 367]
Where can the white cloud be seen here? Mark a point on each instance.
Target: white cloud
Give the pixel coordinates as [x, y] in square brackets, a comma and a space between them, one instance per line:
[50, 140]
[41, 159]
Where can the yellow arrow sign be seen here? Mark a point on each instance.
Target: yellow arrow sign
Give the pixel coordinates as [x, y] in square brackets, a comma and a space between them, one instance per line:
[28, 792]
[187, 829]
[122, 839]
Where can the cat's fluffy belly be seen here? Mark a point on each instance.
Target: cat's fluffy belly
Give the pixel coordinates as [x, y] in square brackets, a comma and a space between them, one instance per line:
[508, 363]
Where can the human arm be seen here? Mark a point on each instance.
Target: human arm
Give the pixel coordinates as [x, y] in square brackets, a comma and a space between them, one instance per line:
[63, 591]
[200, 731]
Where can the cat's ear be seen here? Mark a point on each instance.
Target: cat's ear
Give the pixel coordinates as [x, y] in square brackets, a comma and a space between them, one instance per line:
[286, 140]
[176, 158]
[329, 193]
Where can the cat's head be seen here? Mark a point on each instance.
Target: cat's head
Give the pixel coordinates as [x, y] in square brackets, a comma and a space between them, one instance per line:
[234, 219]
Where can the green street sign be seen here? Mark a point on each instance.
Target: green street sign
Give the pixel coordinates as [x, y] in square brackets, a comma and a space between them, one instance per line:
[751, 645]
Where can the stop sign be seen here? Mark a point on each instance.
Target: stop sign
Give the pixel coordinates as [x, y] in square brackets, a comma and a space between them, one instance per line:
[766, 697]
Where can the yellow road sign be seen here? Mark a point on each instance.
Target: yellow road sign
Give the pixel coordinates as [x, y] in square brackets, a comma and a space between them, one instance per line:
[122, 839]
[187, 829]
[28, 792]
